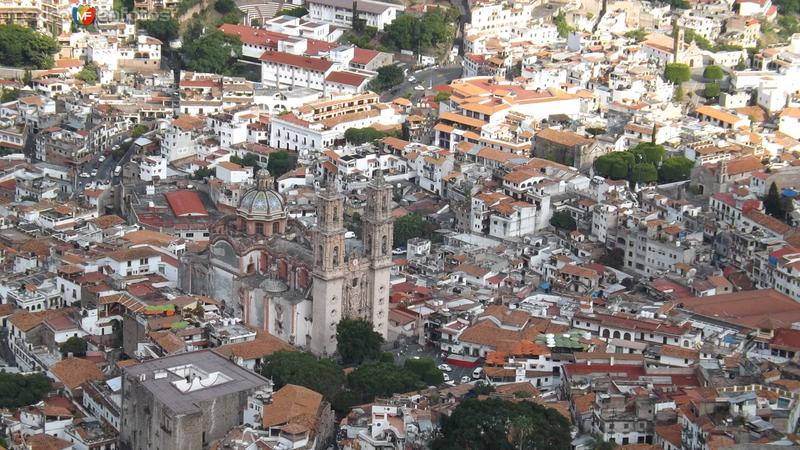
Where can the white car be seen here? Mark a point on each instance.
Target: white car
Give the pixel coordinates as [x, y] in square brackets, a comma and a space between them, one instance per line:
[477, 373]
[446, 377]
[84, 175]
[101, 158]
[444, 368]
[349, 235]
[398, 251]
[465, 379]
[94, 172]
[419, 87]
[412, 79]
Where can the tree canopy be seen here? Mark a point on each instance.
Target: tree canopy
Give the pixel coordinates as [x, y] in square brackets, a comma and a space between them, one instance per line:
[88, 74]
[214, 52]
[388, 77]
[411, 226]
[677, 73]
[75, 345]
[24, 47]
[641, 164]
[563, 220]
[637, 35]
[381, 379]
[711, 90]
[503, 425]
[562, 26]
[425, 368]
[358, 136]
[164, 30]
[357, 341]
[773, 205]
[297, 11]
[304, 369]
[677, 168]
[138, 130]
[713, 73]
[279, 163]
[18, 390]
[421, 34]
[224, 6]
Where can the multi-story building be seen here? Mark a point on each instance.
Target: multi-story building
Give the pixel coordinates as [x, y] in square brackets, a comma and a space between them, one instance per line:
[184, 402]
[340, 12]
[653, 247]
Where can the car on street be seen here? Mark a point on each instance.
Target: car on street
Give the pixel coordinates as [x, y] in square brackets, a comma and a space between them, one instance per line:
[465, 379]
[84, 175]
[445, 368]
[349, 235]
[477, 373]
[101, 158]
[446, 377]
[94, 172]
[419, 87]
[412, 79]
[107, 153]
[399, 251]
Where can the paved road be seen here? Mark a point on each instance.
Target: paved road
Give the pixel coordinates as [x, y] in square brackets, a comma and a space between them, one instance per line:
[416, 351]
[105, 169]
[426, 78]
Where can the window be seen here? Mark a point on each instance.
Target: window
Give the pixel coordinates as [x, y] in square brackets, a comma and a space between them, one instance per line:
[259, 228]
[355, 282]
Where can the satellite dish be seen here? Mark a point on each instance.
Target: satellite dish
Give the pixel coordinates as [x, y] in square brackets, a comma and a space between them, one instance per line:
[691, 273]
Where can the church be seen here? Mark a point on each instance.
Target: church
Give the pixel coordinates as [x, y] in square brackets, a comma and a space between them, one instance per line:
[298, 283]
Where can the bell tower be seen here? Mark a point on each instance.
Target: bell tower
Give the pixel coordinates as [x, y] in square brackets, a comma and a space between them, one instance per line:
[378, 231]
[329, 269]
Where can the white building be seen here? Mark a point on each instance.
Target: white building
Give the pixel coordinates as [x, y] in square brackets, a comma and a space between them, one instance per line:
[339, 13]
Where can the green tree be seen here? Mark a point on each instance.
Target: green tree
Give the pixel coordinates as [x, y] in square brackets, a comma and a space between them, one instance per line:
[297, 11]
[562, 26]
[614, 165]
[9, 95]
[279, 163]
[203, 172]
[27, 77]
[773, 205]
[678, 93]
[304, 369]
[75, 345]
[596, 131]
[711, 90]
[442, 96]
[18, 390]
[401, 33]
[644, 172]
[677, 73]
[214, 52]
[503, 425]
[677, 168]
[165, 30]
[408, 227]
[381, 379]
[637, 35]
[357, 341]
[249, 159]
[388, 77]
[563, 220]
[23, 47]
[741, 65]
[138, 130]
[224, 6]
[649, 153]
[358, 136]
[426, 370]
[713, 73]
[88, 74]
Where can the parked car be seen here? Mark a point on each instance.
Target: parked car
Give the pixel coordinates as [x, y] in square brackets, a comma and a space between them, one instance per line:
[446, 377]
[94, 172]
[349, 235]
[477, 373]
[101, 158]
[465, 379]
[419, 87]
[412, 79]
[399, 251]
[445, 368]
[84, 175]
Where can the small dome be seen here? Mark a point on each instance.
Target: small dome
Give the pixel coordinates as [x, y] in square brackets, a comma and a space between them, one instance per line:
[262, 201]
[274, 286]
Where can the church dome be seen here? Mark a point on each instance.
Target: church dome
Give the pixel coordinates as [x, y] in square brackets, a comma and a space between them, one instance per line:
[262, 201]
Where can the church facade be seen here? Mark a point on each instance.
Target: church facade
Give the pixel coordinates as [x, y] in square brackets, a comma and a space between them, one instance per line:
[268, 270]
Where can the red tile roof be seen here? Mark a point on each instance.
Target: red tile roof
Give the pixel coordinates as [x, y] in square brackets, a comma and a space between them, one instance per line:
[186, 203]
[747, 309]
[364, 56]
[348, 78]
